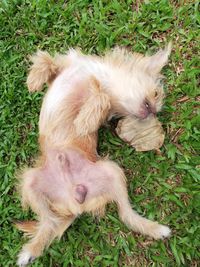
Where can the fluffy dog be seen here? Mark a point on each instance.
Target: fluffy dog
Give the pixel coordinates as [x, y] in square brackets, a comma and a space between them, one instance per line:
[69, 178]
[130, 83]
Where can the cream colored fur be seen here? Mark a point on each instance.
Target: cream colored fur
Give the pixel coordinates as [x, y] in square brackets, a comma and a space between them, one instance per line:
[83, 92]
[128, 83]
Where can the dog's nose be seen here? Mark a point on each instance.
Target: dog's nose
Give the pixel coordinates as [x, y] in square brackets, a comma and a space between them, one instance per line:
[146, 109]
[143, 113]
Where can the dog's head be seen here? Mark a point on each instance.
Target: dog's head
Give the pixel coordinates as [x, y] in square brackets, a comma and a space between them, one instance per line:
[136, 81]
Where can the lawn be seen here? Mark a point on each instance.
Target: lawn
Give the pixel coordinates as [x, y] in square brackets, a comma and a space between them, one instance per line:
[162, 187]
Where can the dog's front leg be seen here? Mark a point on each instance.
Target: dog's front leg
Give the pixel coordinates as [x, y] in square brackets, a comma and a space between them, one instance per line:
[48, 229]
[94, 111]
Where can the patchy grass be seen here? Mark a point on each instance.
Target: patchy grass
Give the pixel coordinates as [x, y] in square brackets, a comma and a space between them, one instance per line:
[161, 187]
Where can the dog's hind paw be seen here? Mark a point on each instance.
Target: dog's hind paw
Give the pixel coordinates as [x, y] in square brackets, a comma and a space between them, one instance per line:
[164, 231]
[24, 258]
[160, 232]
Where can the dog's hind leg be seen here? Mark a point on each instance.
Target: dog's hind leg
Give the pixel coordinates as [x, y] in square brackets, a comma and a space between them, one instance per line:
[47, 230]
[139, 224]
[133, 220]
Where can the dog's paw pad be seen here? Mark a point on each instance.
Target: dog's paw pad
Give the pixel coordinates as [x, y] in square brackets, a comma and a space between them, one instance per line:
[25, 258]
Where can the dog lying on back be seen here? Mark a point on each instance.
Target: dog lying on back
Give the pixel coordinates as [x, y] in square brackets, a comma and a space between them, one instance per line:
[69, 178]
[129, 83]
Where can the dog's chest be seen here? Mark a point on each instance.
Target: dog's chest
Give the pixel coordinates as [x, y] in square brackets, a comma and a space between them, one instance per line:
[70, 80]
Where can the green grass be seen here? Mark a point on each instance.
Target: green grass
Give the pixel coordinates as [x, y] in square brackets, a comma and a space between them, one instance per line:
[161, 187]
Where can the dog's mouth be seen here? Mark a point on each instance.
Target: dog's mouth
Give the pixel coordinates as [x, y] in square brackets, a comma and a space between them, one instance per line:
[146, 109]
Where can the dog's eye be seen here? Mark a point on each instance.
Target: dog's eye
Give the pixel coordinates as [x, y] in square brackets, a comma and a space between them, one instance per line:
[156, 93]
[147, 105]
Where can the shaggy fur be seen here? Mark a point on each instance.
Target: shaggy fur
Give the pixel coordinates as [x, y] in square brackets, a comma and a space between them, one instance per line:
[69, 178]
[129, 82]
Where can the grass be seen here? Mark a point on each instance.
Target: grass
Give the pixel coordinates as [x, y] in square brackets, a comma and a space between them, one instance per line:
[161, 187]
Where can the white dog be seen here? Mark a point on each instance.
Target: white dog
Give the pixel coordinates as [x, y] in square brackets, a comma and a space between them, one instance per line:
[129, 84]
[69, 178]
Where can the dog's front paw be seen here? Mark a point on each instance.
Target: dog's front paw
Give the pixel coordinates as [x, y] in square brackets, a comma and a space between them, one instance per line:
[160, 231]
[24, 258]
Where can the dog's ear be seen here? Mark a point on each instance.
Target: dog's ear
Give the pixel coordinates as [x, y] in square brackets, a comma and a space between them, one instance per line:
[157, 61]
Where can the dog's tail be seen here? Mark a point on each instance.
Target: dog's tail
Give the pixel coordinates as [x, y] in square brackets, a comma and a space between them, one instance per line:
[28, 227]
[45, 69]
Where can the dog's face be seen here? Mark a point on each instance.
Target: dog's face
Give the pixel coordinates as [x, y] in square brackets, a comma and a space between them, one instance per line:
[137, 81]
[144, 95]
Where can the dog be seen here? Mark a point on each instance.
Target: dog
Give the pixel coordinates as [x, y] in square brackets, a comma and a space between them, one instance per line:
[69, 177]
[130, 83]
